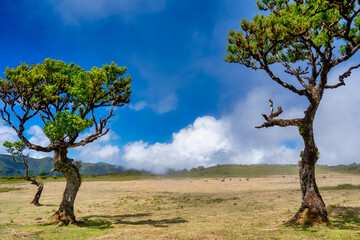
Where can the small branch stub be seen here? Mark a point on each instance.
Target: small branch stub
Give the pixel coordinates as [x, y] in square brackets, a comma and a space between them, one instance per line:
[272, 114]
[271, 121]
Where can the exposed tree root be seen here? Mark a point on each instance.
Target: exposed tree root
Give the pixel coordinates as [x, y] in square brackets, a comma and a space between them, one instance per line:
[311, 213]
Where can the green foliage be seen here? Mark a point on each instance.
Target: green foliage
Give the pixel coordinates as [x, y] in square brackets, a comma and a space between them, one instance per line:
[201, 168]
[78, 164]
[43, 175]
[15, 148]
[290, 29]
[65, 125]
[65, 96]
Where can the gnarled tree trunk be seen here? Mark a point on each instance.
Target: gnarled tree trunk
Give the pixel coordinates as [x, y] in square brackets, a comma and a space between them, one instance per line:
[64, 165]
[312, 210]
[40, 186]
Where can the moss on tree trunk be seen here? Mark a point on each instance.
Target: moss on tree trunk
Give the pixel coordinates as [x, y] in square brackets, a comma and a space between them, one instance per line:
[65, 214]
[312, 210]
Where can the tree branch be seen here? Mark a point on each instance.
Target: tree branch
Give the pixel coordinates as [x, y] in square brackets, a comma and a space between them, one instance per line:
[270, 121]
[348, 55]
[292, 72]
[342, 78]
[284, 84]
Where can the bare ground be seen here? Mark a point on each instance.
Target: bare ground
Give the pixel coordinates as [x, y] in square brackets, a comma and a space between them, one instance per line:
[181, 209]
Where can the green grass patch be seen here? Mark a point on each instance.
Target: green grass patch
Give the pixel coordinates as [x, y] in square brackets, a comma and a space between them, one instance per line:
[118, 177]
[341, 186]
[8, 189]
[51, 232]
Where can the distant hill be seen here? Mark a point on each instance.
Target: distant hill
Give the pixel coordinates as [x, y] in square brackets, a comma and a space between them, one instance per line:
[10, 168]
[257, 170]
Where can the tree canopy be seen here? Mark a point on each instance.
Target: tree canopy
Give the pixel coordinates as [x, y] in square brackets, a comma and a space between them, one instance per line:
[308, 38]
[65, 97]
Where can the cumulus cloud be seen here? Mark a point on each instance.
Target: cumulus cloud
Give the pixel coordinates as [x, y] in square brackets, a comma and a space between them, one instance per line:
[337, 126]
[6, 134]
[231, 139]
[39, 138]
[97, 152]
[198, 143]
[101, 150]
[74, 11]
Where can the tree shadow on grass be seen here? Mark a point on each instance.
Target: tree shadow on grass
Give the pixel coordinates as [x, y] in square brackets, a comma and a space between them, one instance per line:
[49, 205]
[95, 223]
[155, 223]
[343, 217]
[106, 221]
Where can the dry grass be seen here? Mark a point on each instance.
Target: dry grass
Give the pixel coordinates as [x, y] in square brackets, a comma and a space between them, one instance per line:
[181, 209]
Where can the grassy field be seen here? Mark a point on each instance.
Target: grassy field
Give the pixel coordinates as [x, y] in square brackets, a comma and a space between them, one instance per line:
[199, 208]
[256, 170]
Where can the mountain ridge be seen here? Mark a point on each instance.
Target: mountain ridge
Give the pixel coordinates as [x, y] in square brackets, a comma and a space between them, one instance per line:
[36, 166]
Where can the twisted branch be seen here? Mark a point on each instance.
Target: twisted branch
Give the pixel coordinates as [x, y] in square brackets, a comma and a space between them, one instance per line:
[342, 78]
[270, 121]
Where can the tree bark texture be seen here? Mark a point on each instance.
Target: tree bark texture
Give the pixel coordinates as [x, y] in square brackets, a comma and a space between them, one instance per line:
[40, 186]
[64, 165]
[312, 210]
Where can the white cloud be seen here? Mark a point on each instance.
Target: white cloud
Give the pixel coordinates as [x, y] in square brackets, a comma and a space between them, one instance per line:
[167, 103]
[196, 144]
[230, 139]
[138, 106]
[39, 138]
[74, 11]
[233, 138]
[97, 152]
[7, 134]
[337, 126]
[100, 150]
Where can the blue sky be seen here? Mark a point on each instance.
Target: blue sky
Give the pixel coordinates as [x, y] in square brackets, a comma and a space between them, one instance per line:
[188, 106]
